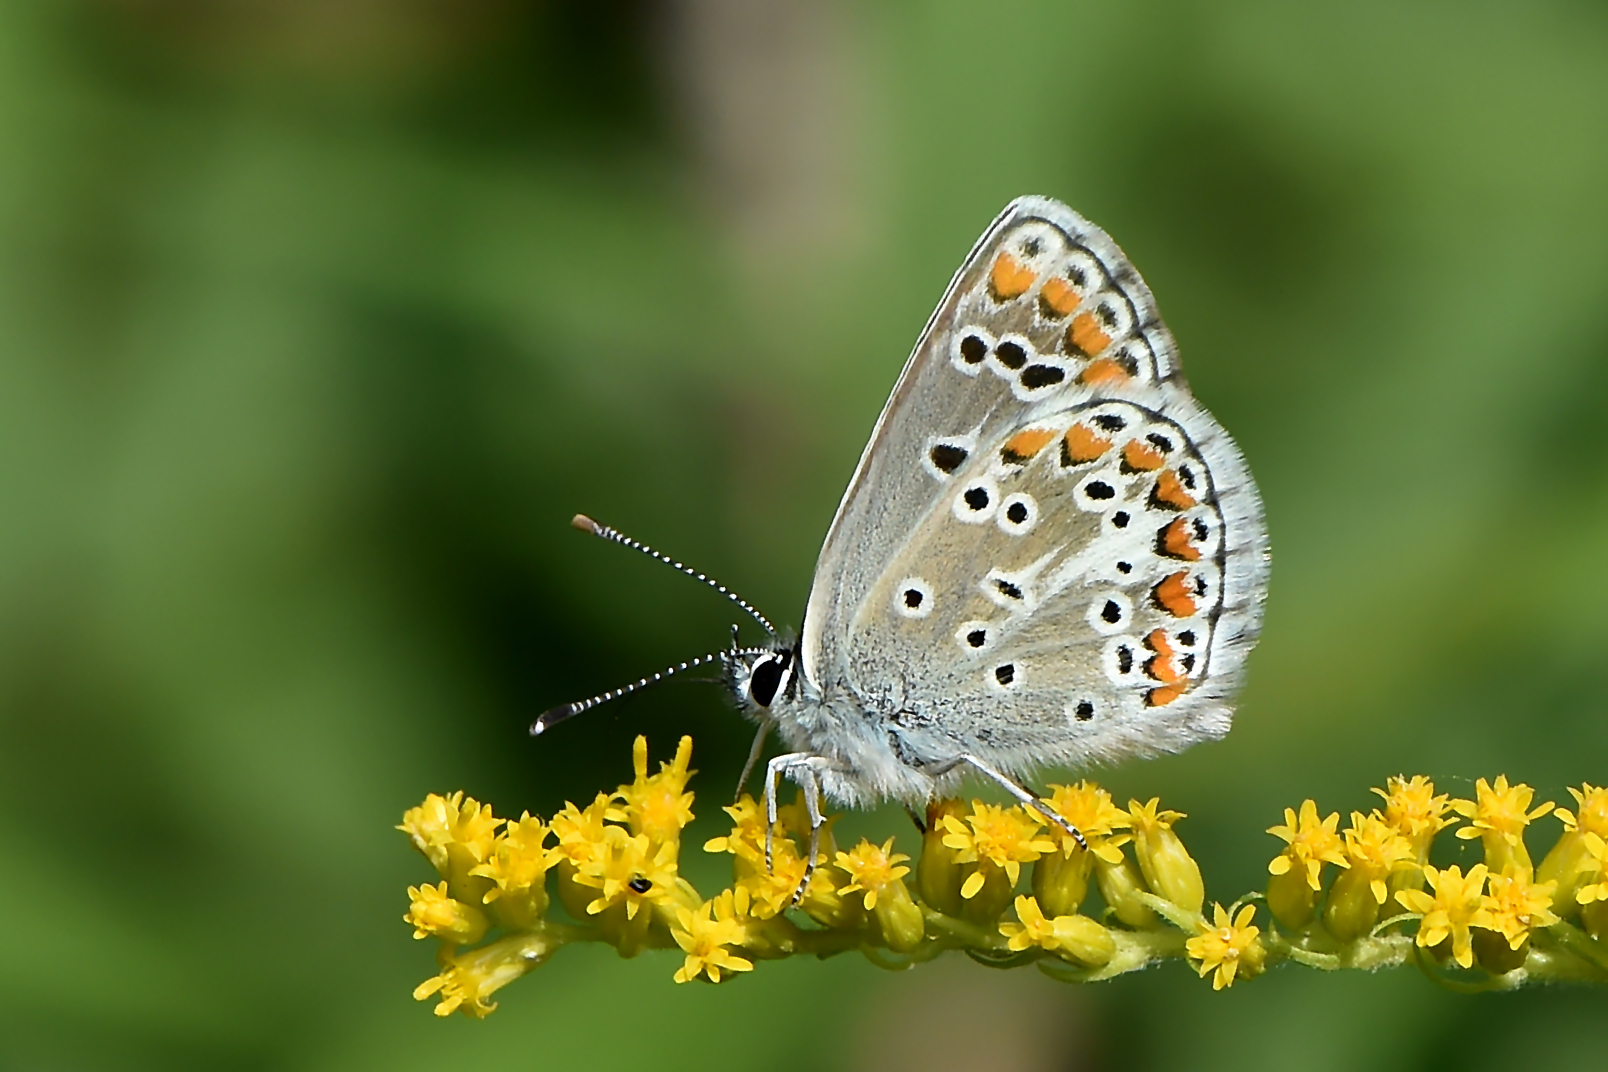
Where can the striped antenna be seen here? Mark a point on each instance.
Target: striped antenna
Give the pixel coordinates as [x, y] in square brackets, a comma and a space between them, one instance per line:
[586, 524]
[549, 719]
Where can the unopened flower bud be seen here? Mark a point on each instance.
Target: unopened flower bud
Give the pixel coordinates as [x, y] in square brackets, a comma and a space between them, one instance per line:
[1118, 883]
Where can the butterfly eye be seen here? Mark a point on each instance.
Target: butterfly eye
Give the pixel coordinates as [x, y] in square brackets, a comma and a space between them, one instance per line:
[765, 679]
[912, 598]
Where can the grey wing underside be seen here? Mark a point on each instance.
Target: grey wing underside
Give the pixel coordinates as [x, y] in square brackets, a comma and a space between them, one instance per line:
[885, 499]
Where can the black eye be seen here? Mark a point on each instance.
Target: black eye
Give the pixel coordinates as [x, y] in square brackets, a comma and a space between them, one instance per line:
[764, 681]
[1110, 422]
[1111, 612]
[1120, 519]
[912, 598]
[1017, 512]
[1011, 355]
[1161, 442]
[977, 637]
[976, 498]
[1005, 674]
[1099, 490]
[1084, 711]
[973, 349]
[640, 885]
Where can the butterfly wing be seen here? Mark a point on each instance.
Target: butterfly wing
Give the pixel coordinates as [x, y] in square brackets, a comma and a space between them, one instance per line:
[1049, 551]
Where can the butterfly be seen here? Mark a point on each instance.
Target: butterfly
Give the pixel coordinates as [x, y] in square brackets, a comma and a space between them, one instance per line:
[1049, 555]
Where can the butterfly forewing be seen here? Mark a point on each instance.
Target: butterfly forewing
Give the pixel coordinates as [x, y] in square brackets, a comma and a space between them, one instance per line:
[1044, 309]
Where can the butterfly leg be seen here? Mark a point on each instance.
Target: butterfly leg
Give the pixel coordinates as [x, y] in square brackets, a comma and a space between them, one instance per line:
[800, 767]
[1024, 796]
[753, 757]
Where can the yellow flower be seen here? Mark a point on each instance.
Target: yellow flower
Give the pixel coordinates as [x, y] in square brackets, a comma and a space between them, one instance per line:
[705, 936]
[1568, 863]
[583, 834]
[469, 979]
[1309, 844]
[632, 872]
[518, 868]
[1412, 807]
[1168, 868]
[1078, 937]
[1229, 947]
[1514, 907]
[1596, 866]
[1374, 850]
[991, 836]
[1592, 818]
[451, 830]
[872, 868]
[1450, 912]
[434, 913]
[747, 837]
[1089, 808]
[1498, 815]
[659, 805]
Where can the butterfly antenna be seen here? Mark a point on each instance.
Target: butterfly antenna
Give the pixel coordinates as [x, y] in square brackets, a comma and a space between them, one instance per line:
[551, 718]
[586, 524]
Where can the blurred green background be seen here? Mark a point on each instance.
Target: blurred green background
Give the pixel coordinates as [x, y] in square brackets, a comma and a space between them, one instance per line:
[318, 319]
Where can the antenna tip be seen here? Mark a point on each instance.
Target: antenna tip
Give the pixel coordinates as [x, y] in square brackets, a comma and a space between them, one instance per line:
[584, 523]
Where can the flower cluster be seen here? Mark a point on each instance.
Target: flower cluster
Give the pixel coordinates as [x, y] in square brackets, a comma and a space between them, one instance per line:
[1007, 887]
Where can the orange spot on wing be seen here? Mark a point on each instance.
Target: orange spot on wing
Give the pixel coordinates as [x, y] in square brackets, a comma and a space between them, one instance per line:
[1162, 666]
[1081, 444]
[1174, 540]
[1104, 370]
[1173, 595]
[1009, 278]
[1085, 334]
[1026, 443]
[1170, 491]
[1058, 297]
[1163, 696]
[1142, 457]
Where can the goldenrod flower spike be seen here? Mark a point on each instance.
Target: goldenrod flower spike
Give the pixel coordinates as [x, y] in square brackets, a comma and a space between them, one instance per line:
[1228, 947]
[1448, 915]
[614, 870]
